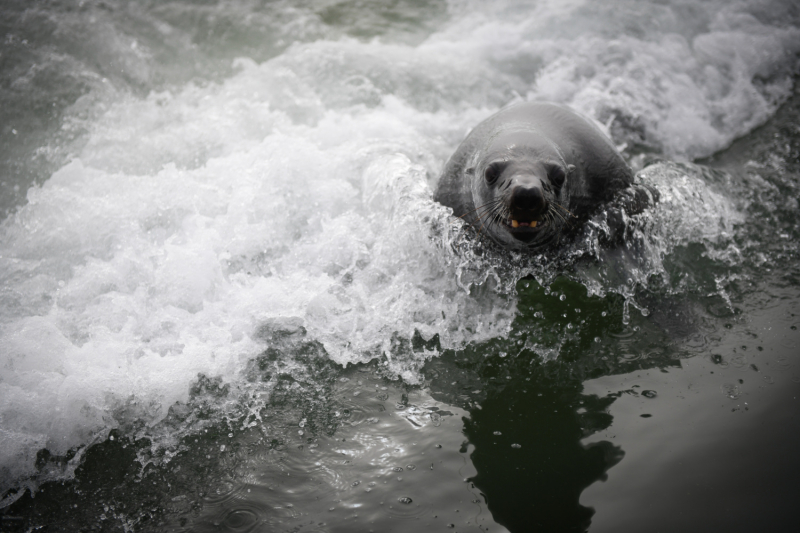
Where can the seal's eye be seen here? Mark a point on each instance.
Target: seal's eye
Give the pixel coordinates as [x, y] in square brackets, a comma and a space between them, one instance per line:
[493, 172]
[557, 176]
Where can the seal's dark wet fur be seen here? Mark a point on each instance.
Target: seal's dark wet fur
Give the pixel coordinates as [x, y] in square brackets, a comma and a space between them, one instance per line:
[533, 172]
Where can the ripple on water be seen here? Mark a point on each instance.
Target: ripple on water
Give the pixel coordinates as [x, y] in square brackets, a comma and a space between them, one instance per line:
[237, 511]
[240, 519]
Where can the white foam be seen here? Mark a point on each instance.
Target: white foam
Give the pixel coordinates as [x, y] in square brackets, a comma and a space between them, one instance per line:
[301, 188]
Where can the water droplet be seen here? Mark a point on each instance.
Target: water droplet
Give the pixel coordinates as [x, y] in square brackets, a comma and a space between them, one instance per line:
[498, 432]
[649, 393]
[397, 468]
[411, 467]
[516, 446]
[405, 499]
[562, 297]
[356, 483]
[603, 313]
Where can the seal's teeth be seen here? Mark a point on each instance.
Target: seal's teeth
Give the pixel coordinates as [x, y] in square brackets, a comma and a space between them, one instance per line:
[533, 223]
[514, 224]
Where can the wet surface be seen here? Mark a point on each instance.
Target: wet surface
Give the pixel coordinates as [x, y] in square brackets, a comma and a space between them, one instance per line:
[230, 305]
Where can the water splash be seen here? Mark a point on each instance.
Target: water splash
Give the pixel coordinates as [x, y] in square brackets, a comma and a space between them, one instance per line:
[192, 217]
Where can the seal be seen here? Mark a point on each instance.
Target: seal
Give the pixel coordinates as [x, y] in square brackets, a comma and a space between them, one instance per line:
[533, 172]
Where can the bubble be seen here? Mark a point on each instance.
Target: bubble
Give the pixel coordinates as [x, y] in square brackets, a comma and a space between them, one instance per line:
[397, 469]
[731, 391]
[738, 361]
[411, 467]
[562, 297]
[498, 433]
[649, 393]
[516, 446]
[404, 500]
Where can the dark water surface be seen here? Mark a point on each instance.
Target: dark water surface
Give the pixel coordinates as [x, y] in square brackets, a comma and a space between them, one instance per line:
[229, 304]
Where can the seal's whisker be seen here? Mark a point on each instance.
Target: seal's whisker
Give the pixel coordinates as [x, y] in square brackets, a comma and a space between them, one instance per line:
[565, 209]
[489, 203]
[553, 213]
[487, 215]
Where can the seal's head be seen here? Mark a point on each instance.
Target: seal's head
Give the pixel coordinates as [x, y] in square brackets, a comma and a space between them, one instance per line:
[519, 189]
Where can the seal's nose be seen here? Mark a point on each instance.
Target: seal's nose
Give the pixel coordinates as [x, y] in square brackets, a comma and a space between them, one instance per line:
[528, 200]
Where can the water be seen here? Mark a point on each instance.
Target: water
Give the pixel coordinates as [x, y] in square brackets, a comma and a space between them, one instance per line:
[229, 302]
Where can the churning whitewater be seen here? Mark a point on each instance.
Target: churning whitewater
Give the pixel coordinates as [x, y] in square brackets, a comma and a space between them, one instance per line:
[187, 217]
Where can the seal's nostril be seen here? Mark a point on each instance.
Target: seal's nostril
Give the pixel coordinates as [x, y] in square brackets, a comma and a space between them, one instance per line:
[528, 199]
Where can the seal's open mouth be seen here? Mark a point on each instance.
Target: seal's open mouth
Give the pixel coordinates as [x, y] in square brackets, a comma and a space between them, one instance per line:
[522, 224]
[524, 230]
